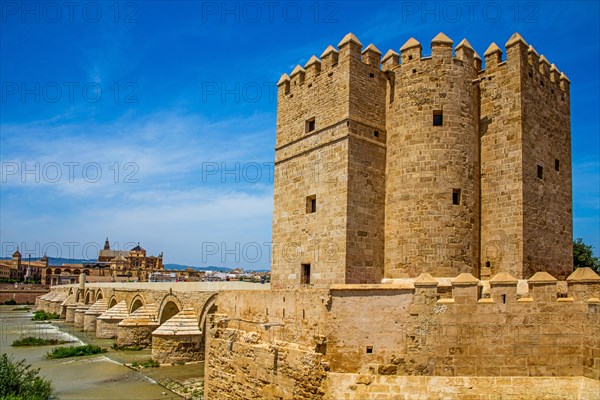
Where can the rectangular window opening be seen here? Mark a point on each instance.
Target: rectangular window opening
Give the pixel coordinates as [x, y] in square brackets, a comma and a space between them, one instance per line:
[369, 349]
[503, 299]
[456, 197]
[557, 165]
[311, 204]
[376, 133]
[371, 75]
[305, 274]
[540, 172]
[438, 118]
[310, 125]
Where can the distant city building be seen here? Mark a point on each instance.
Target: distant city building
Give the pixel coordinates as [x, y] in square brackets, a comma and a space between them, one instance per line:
[17, 269]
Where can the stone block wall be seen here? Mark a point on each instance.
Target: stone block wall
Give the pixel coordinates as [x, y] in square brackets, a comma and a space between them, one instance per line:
[241, 366]
[403, 330]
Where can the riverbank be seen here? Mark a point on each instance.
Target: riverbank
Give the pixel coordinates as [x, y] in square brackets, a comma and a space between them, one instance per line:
[94, 377]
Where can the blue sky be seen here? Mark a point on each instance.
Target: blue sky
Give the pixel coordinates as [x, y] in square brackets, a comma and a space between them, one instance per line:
[154, 121]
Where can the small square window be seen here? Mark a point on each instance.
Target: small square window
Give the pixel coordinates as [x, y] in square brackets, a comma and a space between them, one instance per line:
[311, 204]
[369, 349]
[540, 172]
[438, 118]
[371, 75]
[557, 165]
[456, 197]
[410, 57]
[305, 274]
[310, 125]
[376, 133]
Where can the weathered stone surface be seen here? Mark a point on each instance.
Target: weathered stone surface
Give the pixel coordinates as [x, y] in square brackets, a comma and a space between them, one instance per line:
[80, 314]
[107, 322]
[137, 328]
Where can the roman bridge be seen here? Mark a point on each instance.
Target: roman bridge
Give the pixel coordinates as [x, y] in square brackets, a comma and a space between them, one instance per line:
[170, 317]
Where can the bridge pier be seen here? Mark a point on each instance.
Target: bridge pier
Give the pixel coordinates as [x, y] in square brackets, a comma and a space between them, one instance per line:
[106, 323]
[137, 328]
[92, 314]
[178, 339]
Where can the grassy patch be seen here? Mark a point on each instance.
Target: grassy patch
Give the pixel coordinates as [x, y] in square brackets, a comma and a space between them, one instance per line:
[146, 364]
[41, 315]
[22, 309]
[127, 348]
[75, 351]
[33, 341]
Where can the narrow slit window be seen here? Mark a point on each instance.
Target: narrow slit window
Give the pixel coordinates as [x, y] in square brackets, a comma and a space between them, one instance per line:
[557, 165]
[310, 125]
[438, 118]
[540, 172]
[311, 204]
[305, 274]
[456, 197]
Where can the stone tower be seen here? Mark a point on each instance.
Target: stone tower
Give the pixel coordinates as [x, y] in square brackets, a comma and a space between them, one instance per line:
[432, 179]
[408, 164]
[525, 130]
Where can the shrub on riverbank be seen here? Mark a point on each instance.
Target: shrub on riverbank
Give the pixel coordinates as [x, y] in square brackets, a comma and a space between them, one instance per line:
[33, 341]
[116, 347]
[10, 302]
[146, 364]
[22, 308]
[41, 315]
[19, 382]
[75, 351]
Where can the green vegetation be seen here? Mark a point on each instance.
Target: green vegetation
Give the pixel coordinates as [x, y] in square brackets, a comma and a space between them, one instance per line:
[10, 302]
[146, 364]
[19, 382]
[583, 256]
[33, 341]
[127, 348]
[75, 351]
[22, 308]
[41, 315]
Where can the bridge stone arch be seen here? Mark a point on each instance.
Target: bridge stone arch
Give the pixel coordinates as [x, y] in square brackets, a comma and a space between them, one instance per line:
[99, 295]
[70, 292]
[210, 307]
[137, 302]
[169, 306]
[113, 301]
[88, 296]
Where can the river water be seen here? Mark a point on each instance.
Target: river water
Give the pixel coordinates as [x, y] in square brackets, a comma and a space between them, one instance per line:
[93, 377]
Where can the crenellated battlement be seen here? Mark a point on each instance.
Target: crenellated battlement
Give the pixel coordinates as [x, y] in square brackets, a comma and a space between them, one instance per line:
[441, 49]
